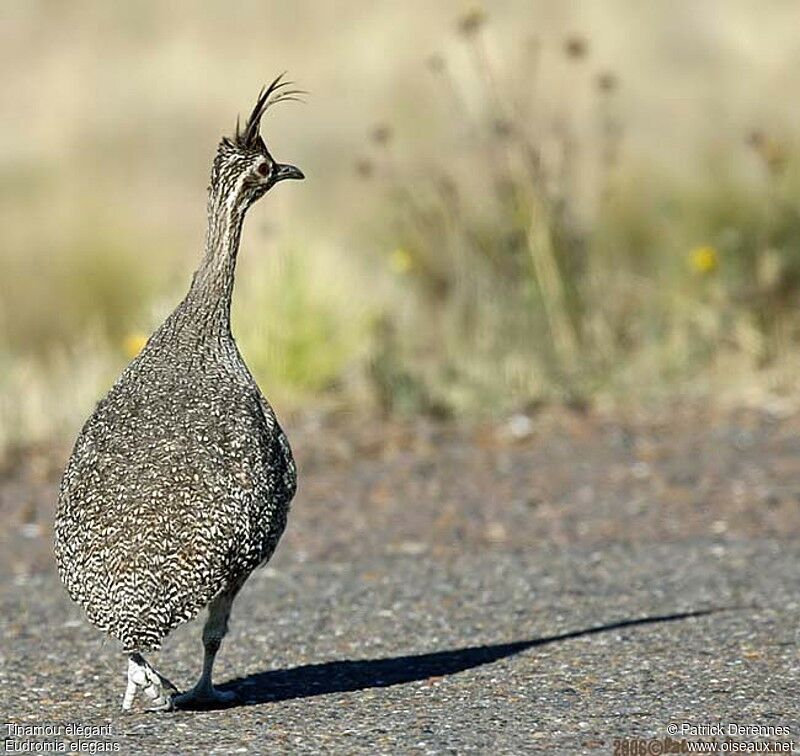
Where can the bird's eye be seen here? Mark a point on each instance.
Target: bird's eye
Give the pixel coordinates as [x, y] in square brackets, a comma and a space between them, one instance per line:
[263, 169]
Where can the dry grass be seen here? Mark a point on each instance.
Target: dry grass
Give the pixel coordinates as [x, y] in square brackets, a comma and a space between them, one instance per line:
[540, 201]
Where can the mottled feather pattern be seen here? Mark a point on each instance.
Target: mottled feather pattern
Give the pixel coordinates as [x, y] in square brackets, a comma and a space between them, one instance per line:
[171, 495]
[180, 482]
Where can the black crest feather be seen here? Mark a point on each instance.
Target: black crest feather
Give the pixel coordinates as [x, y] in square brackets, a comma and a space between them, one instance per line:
[278, 91]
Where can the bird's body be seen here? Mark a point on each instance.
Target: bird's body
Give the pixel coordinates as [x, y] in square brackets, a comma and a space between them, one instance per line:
[180, 482]
[178, 488]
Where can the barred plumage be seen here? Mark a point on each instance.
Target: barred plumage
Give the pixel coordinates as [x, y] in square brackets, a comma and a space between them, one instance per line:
[180, 482]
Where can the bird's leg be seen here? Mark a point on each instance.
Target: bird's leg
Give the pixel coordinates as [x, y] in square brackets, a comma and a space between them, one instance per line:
[204, 694]
[141, 676]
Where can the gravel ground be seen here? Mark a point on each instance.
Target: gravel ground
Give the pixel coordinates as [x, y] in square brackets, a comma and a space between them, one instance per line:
[571, 584]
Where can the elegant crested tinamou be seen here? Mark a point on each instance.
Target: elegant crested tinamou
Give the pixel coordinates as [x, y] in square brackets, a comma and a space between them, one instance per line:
[180, 482]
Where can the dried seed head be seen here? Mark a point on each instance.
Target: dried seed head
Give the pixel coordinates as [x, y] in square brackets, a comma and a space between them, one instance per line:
[364, 168]
[770, 150]
[502, 127]
[576, 47]
[755, 139]
[470, 23]
[381, 134]
[606, 81]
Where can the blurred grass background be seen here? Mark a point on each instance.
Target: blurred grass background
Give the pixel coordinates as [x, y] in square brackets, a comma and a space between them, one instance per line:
[522, 202]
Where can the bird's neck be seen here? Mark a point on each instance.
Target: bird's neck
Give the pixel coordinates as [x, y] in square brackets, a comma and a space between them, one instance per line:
[209, 298]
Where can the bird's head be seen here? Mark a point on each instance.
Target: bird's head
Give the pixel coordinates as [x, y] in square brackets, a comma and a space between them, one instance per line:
[243, 169]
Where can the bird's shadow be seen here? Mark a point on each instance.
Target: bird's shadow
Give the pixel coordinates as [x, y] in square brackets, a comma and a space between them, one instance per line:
[345, 676]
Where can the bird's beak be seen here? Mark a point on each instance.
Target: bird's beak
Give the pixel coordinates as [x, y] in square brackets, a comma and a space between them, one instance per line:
[283, 172]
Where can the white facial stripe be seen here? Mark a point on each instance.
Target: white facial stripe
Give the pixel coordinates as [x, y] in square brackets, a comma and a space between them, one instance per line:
[233, 196]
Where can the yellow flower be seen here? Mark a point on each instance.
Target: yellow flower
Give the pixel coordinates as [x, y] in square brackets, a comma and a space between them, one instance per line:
[401, 260]
[133, 343]
[704, 259]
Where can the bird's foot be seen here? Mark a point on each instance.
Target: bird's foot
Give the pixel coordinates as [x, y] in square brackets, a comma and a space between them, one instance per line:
[205, 697]
[158, 690]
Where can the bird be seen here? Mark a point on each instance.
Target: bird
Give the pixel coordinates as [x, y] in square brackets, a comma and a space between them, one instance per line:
[180, 482]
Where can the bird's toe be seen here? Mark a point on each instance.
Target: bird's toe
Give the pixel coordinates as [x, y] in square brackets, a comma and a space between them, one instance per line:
[209, 698]
[157, 689]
